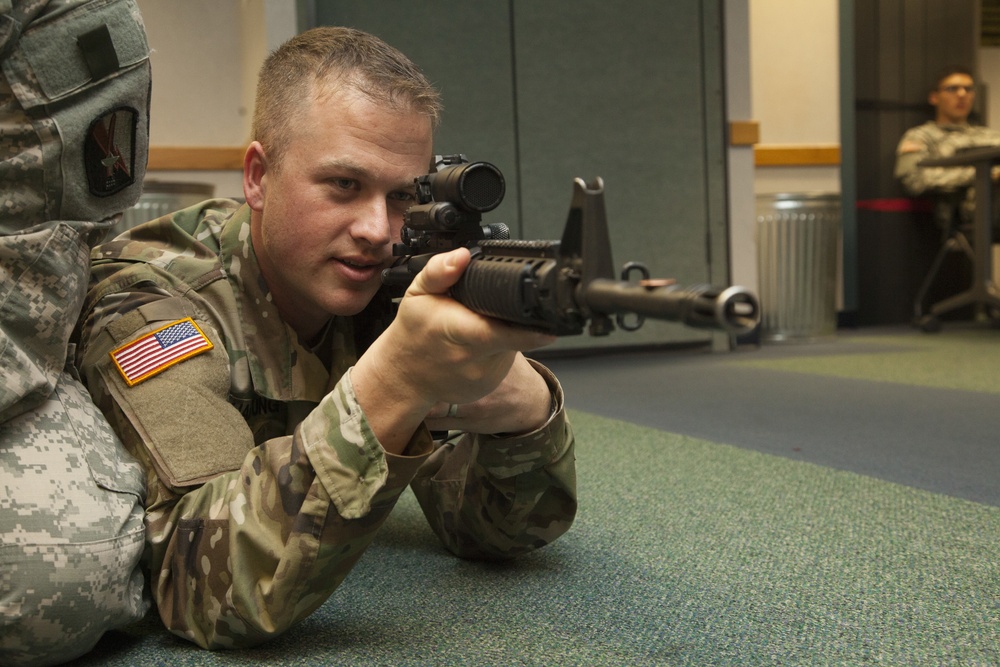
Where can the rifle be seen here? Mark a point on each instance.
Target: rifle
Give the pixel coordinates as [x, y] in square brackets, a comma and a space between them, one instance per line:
[551, 286]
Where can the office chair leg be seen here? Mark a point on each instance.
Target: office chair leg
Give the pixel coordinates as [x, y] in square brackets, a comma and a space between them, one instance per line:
[929, 322]
[918, 302]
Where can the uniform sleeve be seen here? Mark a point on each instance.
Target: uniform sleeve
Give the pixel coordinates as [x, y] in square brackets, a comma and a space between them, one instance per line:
[494, 497]
[243, 539]
[50, 217]
[914, 148]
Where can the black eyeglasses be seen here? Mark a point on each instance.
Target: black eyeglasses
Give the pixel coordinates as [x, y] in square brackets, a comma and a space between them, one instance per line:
[954, 89]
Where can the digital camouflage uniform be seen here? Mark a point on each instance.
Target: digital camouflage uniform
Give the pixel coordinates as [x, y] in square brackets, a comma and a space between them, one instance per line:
[932, 140]
[74, 100]
[265, 481]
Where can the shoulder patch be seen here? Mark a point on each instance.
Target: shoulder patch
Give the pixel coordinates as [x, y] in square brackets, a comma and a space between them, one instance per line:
[159, 350]
[109, 152]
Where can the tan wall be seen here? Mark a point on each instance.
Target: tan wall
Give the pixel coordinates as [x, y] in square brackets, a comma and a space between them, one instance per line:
[795, 90]
[205, 57]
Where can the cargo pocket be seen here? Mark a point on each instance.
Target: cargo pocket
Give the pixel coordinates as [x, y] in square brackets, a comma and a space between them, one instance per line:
[111, 466]
[42, 284]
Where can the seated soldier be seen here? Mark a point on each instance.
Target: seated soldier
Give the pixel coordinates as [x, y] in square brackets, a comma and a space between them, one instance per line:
[953, 97]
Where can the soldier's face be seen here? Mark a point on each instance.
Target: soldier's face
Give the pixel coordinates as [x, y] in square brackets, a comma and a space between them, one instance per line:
[954, 98]
[325, 220]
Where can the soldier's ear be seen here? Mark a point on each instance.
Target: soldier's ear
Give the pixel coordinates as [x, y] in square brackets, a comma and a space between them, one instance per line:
[254, 171]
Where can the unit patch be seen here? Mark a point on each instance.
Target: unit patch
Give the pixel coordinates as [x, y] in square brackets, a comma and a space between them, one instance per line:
[109, 152]
[159, 350]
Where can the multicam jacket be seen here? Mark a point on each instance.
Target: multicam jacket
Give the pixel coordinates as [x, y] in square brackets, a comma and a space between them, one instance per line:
[265, 481]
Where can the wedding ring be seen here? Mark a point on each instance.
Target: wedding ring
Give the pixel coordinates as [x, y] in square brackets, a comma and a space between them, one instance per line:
[452, 410]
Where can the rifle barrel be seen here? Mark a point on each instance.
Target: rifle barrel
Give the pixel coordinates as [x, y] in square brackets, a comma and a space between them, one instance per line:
[734, 309]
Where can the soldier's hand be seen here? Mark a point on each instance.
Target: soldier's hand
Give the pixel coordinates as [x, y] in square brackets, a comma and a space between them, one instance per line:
[521, 403]
[436, 351]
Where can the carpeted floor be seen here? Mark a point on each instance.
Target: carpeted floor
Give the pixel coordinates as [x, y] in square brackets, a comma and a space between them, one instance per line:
[963, 358]
[688, 551]
[893, 403]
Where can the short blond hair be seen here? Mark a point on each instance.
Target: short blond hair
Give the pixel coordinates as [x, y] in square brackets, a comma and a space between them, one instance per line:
[324, 58]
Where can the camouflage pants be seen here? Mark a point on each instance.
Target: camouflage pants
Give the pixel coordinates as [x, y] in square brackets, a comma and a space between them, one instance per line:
[71, 525]
[43, 279]
[71, 497]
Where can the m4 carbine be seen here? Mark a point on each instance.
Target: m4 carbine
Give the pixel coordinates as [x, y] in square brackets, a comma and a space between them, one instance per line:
[552, 286]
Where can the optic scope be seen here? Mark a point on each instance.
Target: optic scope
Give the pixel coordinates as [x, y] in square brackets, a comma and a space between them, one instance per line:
[472, 186]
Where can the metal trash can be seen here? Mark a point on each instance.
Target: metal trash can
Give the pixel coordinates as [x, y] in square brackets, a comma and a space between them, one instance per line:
[160, 198]
[798, 237]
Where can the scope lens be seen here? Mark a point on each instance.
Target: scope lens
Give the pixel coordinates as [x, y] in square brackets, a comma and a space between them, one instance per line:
[474, 186]
[482, 186]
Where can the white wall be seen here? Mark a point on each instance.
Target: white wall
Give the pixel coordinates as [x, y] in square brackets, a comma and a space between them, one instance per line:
[989, 74]
[205, 57]
[197, 97]
[795, 86]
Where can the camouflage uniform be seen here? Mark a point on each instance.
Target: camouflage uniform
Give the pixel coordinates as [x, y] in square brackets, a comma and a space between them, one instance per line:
[74, 96]
[265, 481]
[932, 140]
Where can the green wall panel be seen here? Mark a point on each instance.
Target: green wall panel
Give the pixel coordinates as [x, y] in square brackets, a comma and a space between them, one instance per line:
[464, 48]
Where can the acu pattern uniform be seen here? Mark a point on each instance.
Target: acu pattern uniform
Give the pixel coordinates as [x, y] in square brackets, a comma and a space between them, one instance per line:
[74, 102]
[265, 481]
[934, 140]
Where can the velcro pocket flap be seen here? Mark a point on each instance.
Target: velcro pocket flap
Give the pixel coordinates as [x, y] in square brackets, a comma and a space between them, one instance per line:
[59, 62]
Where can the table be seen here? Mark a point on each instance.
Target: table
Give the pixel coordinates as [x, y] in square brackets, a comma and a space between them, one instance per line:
[983, 292]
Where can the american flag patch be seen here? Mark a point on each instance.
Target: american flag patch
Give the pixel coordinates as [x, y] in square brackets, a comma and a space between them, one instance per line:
[159, 350]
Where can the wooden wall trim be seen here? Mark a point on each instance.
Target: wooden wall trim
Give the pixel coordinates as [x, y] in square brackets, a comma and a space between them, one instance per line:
[195, 158]
[226, 158]
[744, 132]
[797, 155]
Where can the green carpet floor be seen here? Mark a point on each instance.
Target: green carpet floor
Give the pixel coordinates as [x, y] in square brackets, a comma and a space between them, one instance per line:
[967, 359]
[684, 552]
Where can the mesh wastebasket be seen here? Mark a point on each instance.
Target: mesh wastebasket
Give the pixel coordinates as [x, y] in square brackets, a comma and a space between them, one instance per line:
[798, 238]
